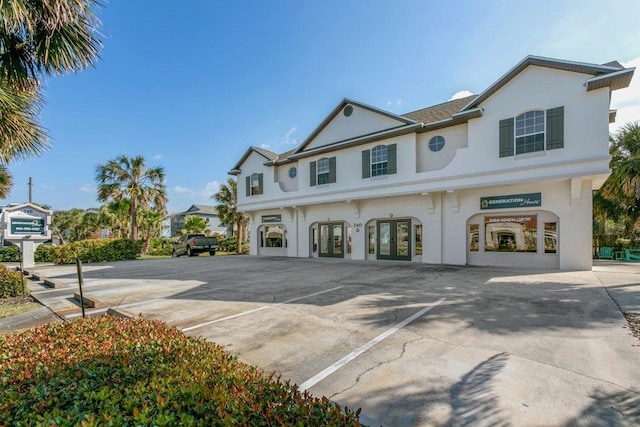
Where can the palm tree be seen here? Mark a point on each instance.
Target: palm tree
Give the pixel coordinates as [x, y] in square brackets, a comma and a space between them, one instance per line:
[125, 177]
[6, 180]
[39, 38]
[195, 224]
[150, 221]
[622, 188]
[227, 198]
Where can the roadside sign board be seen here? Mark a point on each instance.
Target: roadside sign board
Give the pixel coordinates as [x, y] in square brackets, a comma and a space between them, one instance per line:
[27, 226]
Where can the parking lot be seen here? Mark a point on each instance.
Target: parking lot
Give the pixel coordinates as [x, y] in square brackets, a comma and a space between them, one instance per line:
[410, 344]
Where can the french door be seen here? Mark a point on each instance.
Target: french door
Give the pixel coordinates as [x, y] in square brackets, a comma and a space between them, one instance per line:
[331, 240]
[394, 239]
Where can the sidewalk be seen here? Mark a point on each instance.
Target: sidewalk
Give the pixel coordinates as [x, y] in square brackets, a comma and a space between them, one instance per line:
[30, 319]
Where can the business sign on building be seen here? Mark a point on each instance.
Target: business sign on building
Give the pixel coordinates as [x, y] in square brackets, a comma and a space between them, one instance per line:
[271, 218]
[527, 200]
[27, 226]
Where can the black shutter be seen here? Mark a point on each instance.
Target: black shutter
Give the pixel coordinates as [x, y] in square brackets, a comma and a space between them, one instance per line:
[260, 184]
[506, 137]
[391, 159]
[555, 128]
[366, 164]
[248, 185]
[332, 169]
[312, 174]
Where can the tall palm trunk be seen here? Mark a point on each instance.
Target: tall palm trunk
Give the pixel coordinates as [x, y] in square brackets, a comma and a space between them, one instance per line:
[240, 237]
[134, 220]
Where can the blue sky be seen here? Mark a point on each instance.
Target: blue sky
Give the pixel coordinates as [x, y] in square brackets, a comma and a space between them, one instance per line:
[191, 85]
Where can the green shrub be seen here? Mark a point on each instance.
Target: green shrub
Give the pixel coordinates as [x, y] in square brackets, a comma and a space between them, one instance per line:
[160, 246]
[96, 250]
[12, 283]
[9, 254]
[43, 253]
[115, 371]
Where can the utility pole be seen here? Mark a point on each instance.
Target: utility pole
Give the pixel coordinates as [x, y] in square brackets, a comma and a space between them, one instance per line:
[30, 190]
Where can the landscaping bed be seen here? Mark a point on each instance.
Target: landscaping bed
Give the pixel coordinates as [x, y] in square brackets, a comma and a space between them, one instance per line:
[118, 371]
[634, 323]
[16, 305]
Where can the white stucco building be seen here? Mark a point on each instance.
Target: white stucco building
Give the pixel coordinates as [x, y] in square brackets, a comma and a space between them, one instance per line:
[501, 178]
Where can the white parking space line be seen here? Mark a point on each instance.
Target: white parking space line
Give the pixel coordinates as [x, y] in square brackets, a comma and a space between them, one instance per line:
[349, 357]
[244, 313]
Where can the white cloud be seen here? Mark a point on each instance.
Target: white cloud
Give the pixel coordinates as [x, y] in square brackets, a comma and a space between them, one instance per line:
[289, 139]
[265, 146]
[181, 190]
[88, 188]
[460, 94]
[396, 103]
[157, 156]
[627, 100]
[211, 188]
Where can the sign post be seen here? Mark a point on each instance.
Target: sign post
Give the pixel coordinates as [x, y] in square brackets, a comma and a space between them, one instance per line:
[28, 226]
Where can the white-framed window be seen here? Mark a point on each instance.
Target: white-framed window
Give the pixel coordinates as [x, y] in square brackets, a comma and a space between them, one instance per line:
[530, 132]
[255, 184]
[322, 171]
[379, 160]
[293, 171]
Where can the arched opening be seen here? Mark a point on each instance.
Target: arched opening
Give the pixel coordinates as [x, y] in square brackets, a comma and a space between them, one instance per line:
[513, 239]
[272, 239]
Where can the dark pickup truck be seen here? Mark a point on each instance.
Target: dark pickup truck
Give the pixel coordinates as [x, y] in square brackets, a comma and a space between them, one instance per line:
[194, 245]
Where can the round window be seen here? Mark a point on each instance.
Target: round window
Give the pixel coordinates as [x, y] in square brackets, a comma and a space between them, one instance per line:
[293, 172]
[348, 110]
[436, 143]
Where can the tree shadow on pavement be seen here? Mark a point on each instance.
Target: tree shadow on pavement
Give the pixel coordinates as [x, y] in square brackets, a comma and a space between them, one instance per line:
[612, 409]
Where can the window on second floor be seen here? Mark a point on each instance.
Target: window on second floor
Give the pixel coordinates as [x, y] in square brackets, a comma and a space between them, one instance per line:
[323, 171]
[380, 160]
[532, 131]
[254, 184]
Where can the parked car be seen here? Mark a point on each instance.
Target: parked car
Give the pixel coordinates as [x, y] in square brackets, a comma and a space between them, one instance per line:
[194, 245]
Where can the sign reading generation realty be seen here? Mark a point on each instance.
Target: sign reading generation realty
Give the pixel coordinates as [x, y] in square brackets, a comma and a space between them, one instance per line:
[511, 201]
[27, 226]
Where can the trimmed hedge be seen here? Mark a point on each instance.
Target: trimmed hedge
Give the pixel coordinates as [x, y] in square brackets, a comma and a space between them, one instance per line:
[96, 250]
[12, 283]
[115, 371]
[9, 254]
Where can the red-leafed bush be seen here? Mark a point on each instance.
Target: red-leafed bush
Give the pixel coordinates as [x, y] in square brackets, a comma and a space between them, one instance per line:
[114, 371]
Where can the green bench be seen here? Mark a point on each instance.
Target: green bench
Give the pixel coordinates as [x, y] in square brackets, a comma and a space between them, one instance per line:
[605, 252]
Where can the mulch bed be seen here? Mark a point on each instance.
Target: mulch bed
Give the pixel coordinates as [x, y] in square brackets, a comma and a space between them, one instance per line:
[634, 323]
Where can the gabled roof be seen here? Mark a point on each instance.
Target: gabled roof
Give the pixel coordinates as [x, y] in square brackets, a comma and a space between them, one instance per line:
[268, 155]
[558, 64]
[450, 113]
[439, 112]
[202, 209]
[339, 108]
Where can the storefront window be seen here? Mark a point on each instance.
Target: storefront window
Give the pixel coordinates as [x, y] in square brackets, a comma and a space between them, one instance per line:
[418, 240]
[550, 237]
[372, 239]
[348, 240]
[517, 233]
[474, 237]
[314, 239]
[274, 236]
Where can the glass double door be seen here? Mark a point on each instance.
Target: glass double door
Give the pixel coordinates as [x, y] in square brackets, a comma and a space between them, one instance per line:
[331, 240]
[394, 239]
